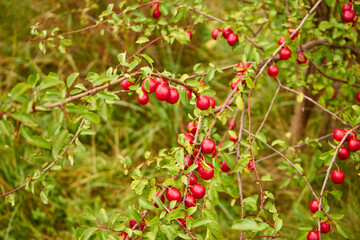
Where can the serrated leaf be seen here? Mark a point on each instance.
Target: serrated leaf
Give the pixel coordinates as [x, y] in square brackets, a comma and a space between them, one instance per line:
[146, 204]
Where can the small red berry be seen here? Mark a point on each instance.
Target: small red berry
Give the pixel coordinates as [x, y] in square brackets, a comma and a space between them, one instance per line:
[193, 179]
[198, 191]
[189, 33]
[285, 53]
[282, 40]
[273, 71]
[205, 173]
[338, 134]
[325, 227]
[346, 6]
[354, 145]
[188, 138]
[134, 222]
[215, 33]
[337, 176]
[231, 138]
[203, 102]
[212, 102]
[358, 96]
[314, 206]
[231, 125]
[224, 166]
[348, 15]
[143, 99]
[188, 92]
[343, 153]
[190, 201]
[173, 97]
[235, 83]
[156, 13]
[227, 32]
[173, 194]
[207, 146]
[232, 39]
[190, 162]
[123, 236]
[352, 135]
[243, 66]
[152, 85]
[250, 166]
[301, 58]
[126, 84]
[162, 93]
[162, 199]
[290, 31]
[183, 220]
[313, 235]
[191, 127]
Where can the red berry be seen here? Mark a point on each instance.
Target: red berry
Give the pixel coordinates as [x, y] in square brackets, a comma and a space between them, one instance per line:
[343, 153]
[188, 138]
[235, 83]
[143, 99]
[156, 13]
[188, 92]
[231, 138]
[358, 96]
[301, 58]
[123, 235]
[348, 15]
[314, 206]
[198, 191]
[214, 153]
[231, 125]
[232, 39]
[313, 235]
[339, 134]
[273, 71]
[189, 33]
[290, 31]
[325, 227]
[346, 6]
[212, 102]
[152, 85]
[191, 127]
[203, 102]
[173, 96]
[354, 145]
[134, 222]
[337, 176]
[162, 199]
[161, 81]
[190, 201]
[205, 173]
[215, 33]
[190, 162]
[282, 40]
[243, 66]
[193, 179]
[126, 84]
[285, 53]
[207, 146]
[173, 194]
[227, 32]
[183, 220]
[352, 135]
[224, 166]
[250, 166]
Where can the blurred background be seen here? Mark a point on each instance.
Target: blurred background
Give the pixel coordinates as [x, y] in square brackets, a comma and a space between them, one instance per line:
[97, 179]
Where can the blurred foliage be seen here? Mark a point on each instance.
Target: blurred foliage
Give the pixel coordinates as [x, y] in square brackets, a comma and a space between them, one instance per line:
[96, 179]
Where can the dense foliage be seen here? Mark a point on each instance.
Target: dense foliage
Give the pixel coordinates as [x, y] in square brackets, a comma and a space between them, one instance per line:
[186, 119]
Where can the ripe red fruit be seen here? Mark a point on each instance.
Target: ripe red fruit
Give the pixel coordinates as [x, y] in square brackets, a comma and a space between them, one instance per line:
[301, 58]
[173, 96]
[215, 33]
[352, 135]
[224, 166]
[162, 93]
[183, 220]
[290, 31]
[203, 102]
[358, 96]
[143, 99]
[161, 81]
[313, 235]
[191, 127]
[205, 173]
[188, 138]
[231, 125]
[190, 201]
[207, 146]
[250, 166]
[190, 162]
[314, 205]
[188, 92]
[339, 134]
[173, 194]
[198, 191]
[343, 153]
[193, 179]
[273, 71]
[346, 6]
[231, 138]
[189, 33]
[243, 66]
[227, 32]
[282, 40]
[325, 227]
[212, 102]
[232, 39]
[285, 53]
[133, 222]
[123, 235]
[162, 199]
[234, 83]
[214, 153]
[156, 13]
[337, 176]
[126, 84]
[348, 15]
[152, 85]
[354, 145]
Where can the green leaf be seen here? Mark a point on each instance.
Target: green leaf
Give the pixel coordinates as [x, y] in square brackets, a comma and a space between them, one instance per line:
[239, 103]
[34, 140]
[169, 231]
[141, 40]
[43, 197]
[201, 221]
[25, 118]
[267, 178]
[278, 224]
[148, 59]
[102, 235]
[134, 214]
[342, 231]
[90, 214]
[104, 215]
[49, 81]
[88, 233]
[92, 117]
[146, 204]
[19, 90]
[59, 142]
[230, 161]
[245, 224]
[70, 79]
[101, 80]
[249, 82]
